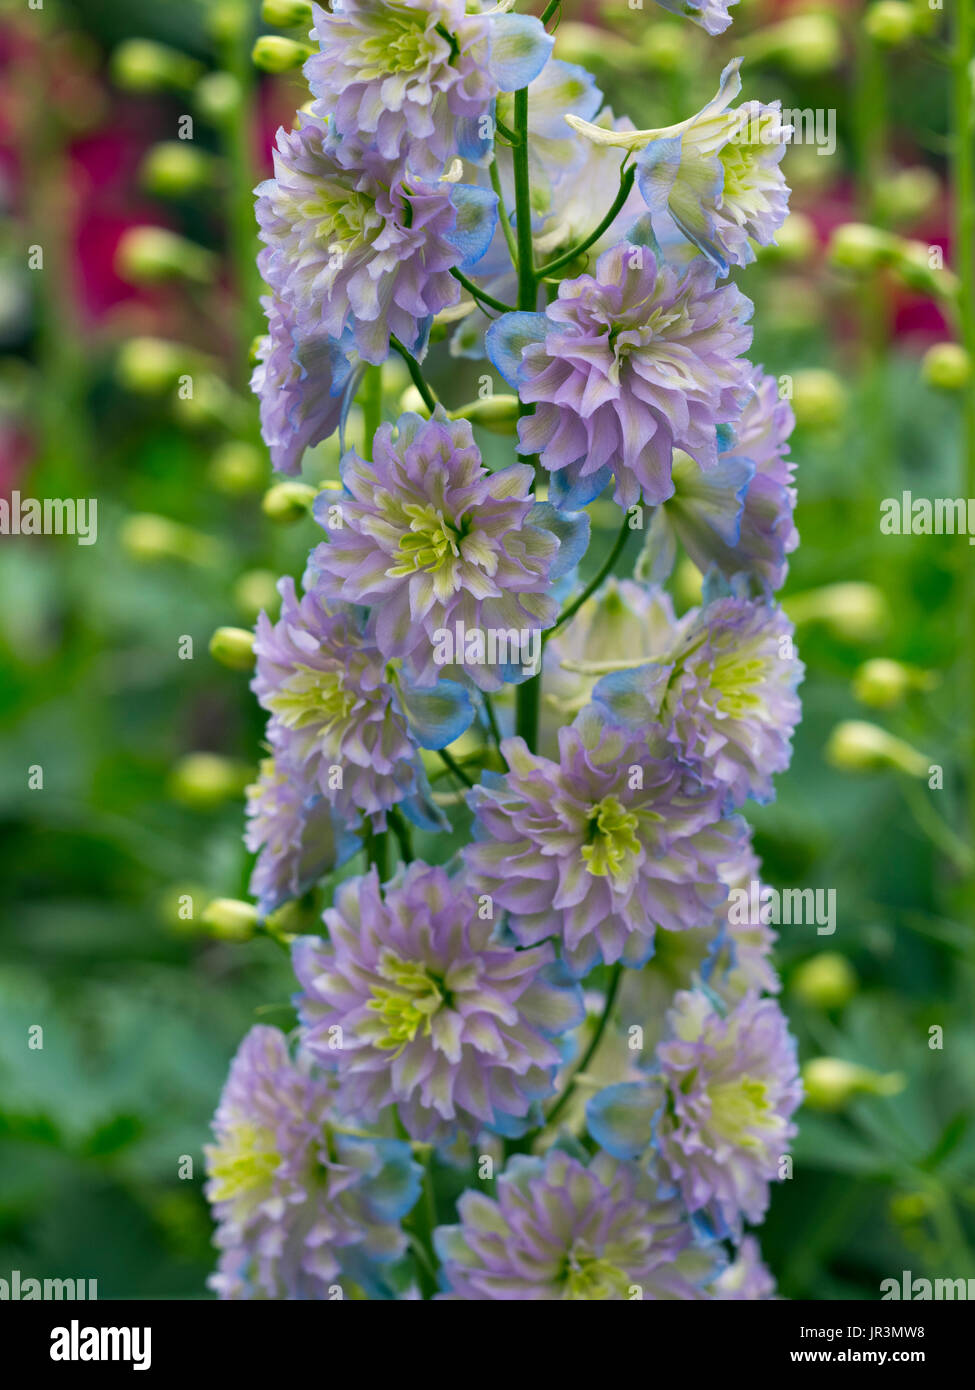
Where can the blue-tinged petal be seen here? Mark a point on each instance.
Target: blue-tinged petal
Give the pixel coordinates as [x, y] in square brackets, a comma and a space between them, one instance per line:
[553, 1002]
[558, 89]
[572, 530]
[472, 144]
[619, 1118]
[436, 716]
[571, 496]
[477, 217]
[394, 1188]
[657, 168]
[519, 50]
[508, 336]
[629, 695]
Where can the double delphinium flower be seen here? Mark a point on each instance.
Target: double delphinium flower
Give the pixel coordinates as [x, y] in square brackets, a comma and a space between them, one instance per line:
[578, 856]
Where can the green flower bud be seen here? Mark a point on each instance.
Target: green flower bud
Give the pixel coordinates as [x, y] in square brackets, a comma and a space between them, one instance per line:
[287, 14]
[204, 781]
[237, 468]
[663, 48]
[272, 53]
[229, 919]
[830, 1083]
[882, 683]
[827, 981]
[287, 502]
[212, 402]
[851, 610]
[233, 647]
[946, 366]
[143, 66]
[909, 1208]
[151, 366]
[912, 265]
[180, 906]
[256, 592]
[588, 46]
[153, 255]
[804, 44]
[217, 97]
[688, 583]
[859, 247]
[794, 242]
[496, 413]
[176, 168]
[818, 399]
[889, 22]
[856, 746]
[146, 537]
[908, 194]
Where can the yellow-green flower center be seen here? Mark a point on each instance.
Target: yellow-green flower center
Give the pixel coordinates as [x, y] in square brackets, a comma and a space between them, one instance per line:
[612, 839]
[344, 219]
[590, 1277]
[312, 697]
[407, 1003]
[738, 680]
[432, 541]
[243, 1164]
[739, 1108]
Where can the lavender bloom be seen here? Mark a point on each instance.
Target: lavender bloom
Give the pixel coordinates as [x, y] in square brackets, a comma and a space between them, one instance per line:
[446, 551]
[434, 1016]
[711, 15]
[291, 829]
[299, 1205]
[419, 77]
[716, 176]
[304, 384]
[717, 1111]
[602, 847]
[560, 1230]
[354, 244]
[725, 695]
[748, 1278]
[624, 367]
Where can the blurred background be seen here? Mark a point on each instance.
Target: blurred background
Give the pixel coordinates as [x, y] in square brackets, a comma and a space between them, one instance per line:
[131, 136]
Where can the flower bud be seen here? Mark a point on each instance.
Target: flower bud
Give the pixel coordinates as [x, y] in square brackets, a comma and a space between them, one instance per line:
[146, 537]
[178, 907]
[946, 366]
[204, 781]
[233, 647]
[237, 468]
[856, 746]
[859, 247]
[496, 413]
[882, 683]
[256, 592]
[217, 97]
[908, 194]
[287, 14]
[229, 919]
[212, 402]
[851, 610]
[912, 265]
[890, 22]
[272, 53]
[827, 981]
[795, 241]
[287, 502]
[831, 1083]
[586, 45]
[818, 399]
[146, 67]
[688, 583]
[908, 1208]
[150, 366]
[176, 168]
[153, 255]
[663, 48]
[804, 44]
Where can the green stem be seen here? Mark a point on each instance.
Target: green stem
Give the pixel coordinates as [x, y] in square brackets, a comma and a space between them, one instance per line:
[372, 407]
[455, 767]
[492, 720]
[237, 136]
[549, 10]
[480, 294]
[626, 184]
[963, 171]
[503, 217]
[416, 375]
[404, 837]
[594, 583]
[377, 852]
[527, 704]
[523, 205]
[590, 1052]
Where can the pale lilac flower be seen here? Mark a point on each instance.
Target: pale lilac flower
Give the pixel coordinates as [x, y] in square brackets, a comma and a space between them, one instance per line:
[300, 1206]
[304, 384]
[415, 1004]
[602, 847]
[711, 15]
[419, 78]
[747, 1278]
[724, 696]
[440, 548]
[717, 1110]
[625, 366]
[355, 245]
[716, 176]
[563, 1231]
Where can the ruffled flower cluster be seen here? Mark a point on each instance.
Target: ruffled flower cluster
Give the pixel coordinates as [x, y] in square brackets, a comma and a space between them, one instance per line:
[508, 774]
